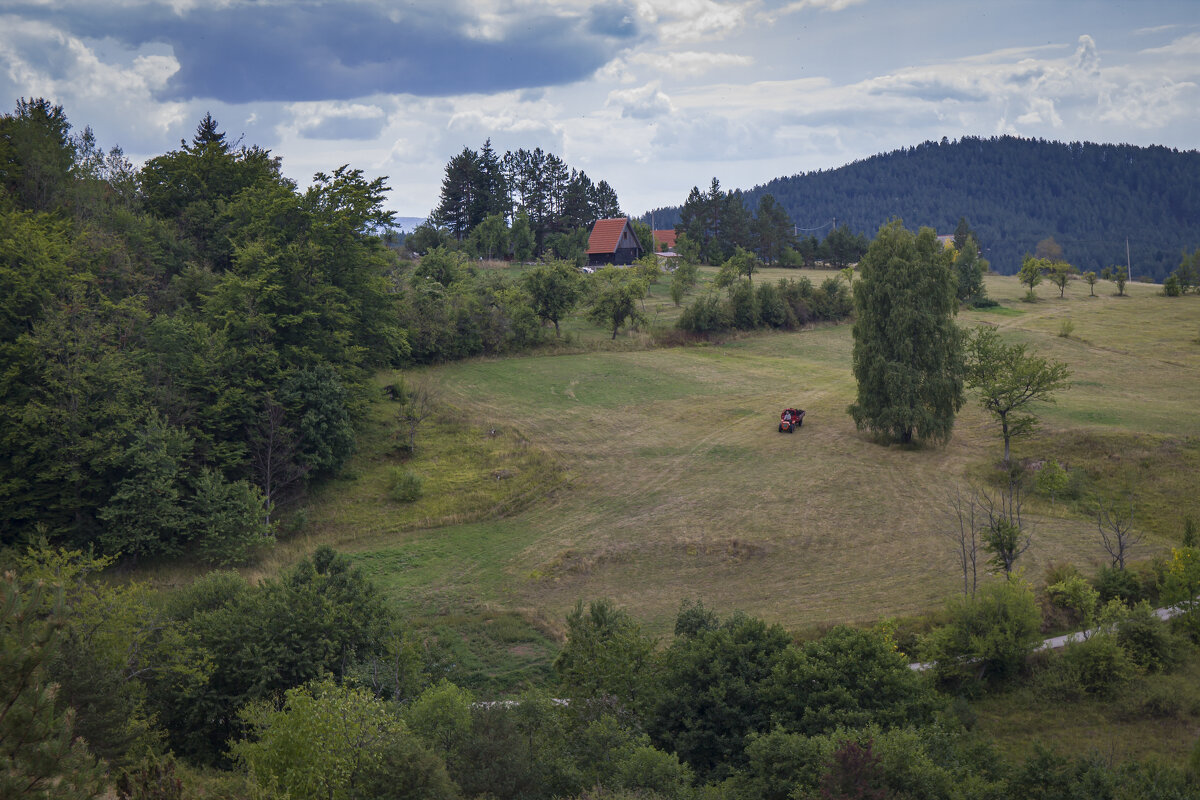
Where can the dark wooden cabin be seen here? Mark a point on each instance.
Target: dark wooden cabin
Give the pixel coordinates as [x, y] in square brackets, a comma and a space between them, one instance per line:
[613, 242]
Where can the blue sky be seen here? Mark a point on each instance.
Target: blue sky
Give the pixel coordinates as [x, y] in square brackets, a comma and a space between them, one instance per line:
[654, 96]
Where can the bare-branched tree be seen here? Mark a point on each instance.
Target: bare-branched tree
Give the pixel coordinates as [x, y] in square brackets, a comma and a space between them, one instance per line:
[967, 536]
[416, 406]
[1114, 520]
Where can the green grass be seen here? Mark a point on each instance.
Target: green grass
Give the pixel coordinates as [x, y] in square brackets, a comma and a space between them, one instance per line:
[654, 475]
[1156, 716]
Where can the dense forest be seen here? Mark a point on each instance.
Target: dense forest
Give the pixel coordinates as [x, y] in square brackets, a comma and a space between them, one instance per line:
[186, 347]
[1014, 193]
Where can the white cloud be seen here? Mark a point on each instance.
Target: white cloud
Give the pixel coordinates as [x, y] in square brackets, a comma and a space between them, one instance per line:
[616, 71]
[38, 60]
[695, 20]
[644, 102]
[337, 120]
[1183, 46]
[690, 63]
[823, 5]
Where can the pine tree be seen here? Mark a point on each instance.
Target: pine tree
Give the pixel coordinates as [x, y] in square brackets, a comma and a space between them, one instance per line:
[39, 754]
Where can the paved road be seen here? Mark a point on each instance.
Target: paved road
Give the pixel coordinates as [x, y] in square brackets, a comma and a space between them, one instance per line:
[1059, 642]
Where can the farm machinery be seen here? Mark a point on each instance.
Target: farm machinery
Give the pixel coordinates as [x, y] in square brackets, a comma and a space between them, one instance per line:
[790, 419]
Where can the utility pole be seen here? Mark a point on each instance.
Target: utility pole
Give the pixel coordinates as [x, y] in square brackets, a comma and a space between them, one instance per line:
[1128, 266]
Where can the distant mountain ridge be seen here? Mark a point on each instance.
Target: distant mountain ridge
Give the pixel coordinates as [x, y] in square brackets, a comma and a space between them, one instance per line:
[1013, 192]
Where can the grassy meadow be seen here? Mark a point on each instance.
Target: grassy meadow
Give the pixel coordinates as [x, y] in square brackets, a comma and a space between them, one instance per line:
[654, 475]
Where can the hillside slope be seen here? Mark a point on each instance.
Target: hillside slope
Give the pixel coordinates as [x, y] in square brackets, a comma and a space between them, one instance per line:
[1013, 192]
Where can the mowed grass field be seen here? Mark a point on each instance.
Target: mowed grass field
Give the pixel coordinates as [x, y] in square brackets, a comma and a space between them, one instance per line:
[651, 476]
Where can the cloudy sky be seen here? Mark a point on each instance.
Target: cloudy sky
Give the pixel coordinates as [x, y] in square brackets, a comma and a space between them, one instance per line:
[654, 96]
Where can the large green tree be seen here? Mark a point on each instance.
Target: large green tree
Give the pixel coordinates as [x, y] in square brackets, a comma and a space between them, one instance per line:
[614, 298]
[1009, 381]
[907, 349]
[773, 230]
[331, 742]
[969, 268]
[555, 289]
[607, 655]
[321, 617]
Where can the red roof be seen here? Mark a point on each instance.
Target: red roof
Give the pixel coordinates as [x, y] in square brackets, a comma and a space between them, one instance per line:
[606, 235]
[666, 238]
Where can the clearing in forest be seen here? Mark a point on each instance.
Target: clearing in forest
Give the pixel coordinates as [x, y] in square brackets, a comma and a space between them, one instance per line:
[658, 475]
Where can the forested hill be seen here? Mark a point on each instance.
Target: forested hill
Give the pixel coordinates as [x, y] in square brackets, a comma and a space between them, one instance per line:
[1014, 193]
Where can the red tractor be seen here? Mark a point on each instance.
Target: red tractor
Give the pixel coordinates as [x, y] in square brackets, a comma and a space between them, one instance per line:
[790, 419]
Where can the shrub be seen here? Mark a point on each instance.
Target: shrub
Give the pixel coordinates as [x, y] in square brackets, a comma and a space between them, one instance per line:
[1066, 328]
[1060, 571]
[743, 306]
[404, 486]
[773, 311]
[989, 636]
[707, 314]
[1098, 665]
[1156, 702]
[1148, 640]
[1119, 584]
[1075, 596]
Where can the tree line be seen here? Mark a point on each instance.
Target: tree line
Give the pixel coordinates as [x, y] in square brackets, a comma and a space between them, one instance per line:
[1093, 198]
[117, 685]
[184, 346]
[713, 225]
[518, 204]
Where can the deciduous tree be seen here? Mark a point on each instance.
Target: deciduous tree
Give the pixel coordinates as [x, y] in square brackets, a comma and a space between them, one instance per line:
[1060, 276]
[1032, 271]
[1005, 535]
[1009, 381]
[990, 635]
[607, 655]
[1114, 522]
[615, 297]
[555, 289]
[907, 350]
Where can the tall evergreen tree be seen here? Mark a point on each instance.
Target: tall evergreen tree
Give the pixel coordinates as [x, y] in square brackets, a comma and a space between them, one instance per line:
[604, 202]
[907, 350]
[773, 230]
[491, 189]
[459, 202]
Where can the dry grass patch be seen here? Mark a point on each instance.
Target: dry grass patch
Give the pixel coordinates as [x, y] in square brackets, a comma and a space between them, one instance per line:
[681, 487]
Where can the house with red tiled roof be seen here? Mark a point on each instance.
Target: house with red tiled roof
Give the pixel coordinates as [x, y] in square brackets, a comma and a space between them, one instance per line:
[664, 240]
[613, 242]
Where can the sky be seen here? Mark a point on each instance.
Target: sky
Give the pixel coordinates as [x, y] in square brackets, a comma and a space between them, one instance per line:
[654, 96]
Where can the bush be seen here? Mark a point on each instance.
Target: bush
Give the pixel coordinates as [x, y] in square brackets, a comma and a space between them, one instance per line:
[1118, 584]
[1098, 665]
[1076, 597]
[989, 636]
[743, 306]
[404, 486]
[1148, 640]
[707, 314]
[773, 311]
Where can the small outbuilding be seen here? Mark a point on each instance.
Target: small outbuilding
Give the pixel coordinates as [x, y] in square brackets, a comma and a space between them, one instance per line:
[613, 242]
